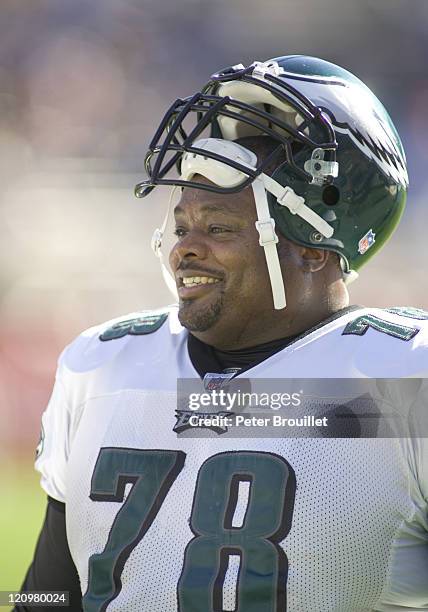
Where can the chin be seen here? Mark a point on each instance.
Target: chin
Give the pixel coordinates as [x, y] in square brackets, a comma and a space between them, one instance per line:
[199, 317]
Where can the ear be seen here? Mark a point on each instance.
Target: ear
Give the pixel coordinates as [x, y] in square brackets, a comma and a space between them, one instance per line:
[313, 260]
[308, 259]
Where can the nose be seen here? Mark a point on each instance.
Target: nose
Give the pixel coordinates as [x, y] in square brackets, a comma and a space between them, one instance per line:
[193, 246]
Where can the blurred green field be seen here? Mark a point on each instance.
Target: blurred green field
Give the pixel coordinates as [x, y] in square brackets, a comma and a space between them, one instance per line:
[22, 511]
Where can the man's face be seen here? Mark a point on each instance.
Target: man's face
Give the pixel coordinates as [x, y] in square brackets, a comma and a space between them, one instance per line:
[220, 269]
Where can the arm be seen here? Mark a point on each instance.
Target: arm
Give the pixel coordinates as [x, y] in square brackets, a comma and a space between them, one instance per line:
[53, 568]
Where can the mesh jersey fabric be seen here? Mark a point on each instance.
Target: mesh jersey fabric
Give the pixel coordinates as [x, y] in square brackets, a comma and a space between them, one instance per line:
[358, 536]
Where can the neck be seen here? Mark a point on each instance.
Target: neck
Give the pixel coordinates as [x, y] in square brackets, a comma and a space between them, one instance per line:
[260, 328]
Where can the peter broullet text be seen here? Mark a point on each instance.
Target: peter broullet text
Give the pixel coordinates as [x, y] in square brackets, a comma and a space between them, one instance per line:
[253, 421]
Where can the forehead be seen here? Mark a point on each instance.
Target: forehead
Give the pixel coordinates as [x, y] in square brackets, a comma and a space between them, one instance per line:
[207, 202]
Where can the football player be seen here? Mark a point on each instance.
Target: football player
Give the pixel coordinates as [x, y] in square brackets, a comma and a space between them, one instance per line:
[290, 177]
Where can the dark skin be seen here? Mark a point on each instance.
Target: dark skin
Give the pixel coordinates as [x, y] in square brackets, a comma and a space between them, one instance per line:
[217, 238]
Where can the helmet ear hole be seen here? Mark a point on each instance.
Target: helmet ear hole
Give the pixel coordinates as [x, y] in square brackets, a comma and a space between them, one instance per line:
[330, 195]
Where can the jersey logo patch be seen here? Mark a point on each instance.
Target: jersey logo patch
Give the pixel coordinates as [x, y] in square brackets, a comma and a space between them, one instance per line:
[206, 420]
[146, 324]
[217, 380]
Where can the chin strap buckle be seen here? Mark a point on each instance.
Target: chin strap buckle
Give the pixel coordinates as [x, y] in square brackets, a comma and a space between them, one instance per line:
[156, 242]
[266, 231]
[291, 200]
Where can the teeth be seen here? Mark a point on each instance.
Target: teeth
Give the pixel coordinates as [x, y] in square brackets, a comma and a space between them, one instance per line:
[193, 281]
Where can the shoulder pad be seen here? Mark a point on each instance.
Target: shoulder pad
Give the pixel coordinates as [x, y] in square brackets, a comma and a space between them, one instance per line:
[144, 324]
[90, 349]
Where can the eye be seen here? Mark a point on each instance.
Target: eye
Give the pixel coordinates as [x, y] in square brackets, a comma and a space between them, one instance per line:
[217, 229]
[179, 231]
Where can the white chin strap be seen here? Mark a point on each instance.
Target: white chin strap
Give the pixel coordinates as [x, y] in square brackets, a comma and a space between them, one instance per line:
[225, 176]
[156, 244]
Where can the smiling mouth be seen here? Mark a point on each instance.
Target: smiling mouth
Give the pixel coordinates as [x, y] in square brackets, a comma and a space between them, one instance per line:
[195, 281]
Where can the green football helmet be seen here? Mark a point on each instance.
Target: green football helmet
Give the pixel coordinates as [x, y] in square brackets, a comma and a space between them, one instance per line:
[340, 181]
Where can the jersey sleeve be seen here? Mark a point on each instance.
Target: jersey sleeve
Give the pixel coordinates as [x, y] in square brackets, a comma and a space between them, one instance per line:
[54, 445]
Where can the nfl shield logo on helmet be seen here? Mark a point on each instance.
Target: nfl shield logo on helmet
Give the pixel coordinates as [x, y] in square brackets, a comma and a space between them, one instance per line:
[366, 242]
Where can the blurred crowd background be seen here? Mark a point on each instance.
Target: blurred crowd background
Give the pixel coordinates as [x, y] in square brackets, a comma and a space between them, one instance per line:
[83, 85]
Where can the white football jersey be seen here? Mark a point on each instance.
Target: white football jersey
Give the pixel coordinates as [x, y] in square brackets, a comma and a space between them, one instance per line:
[162, 522]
